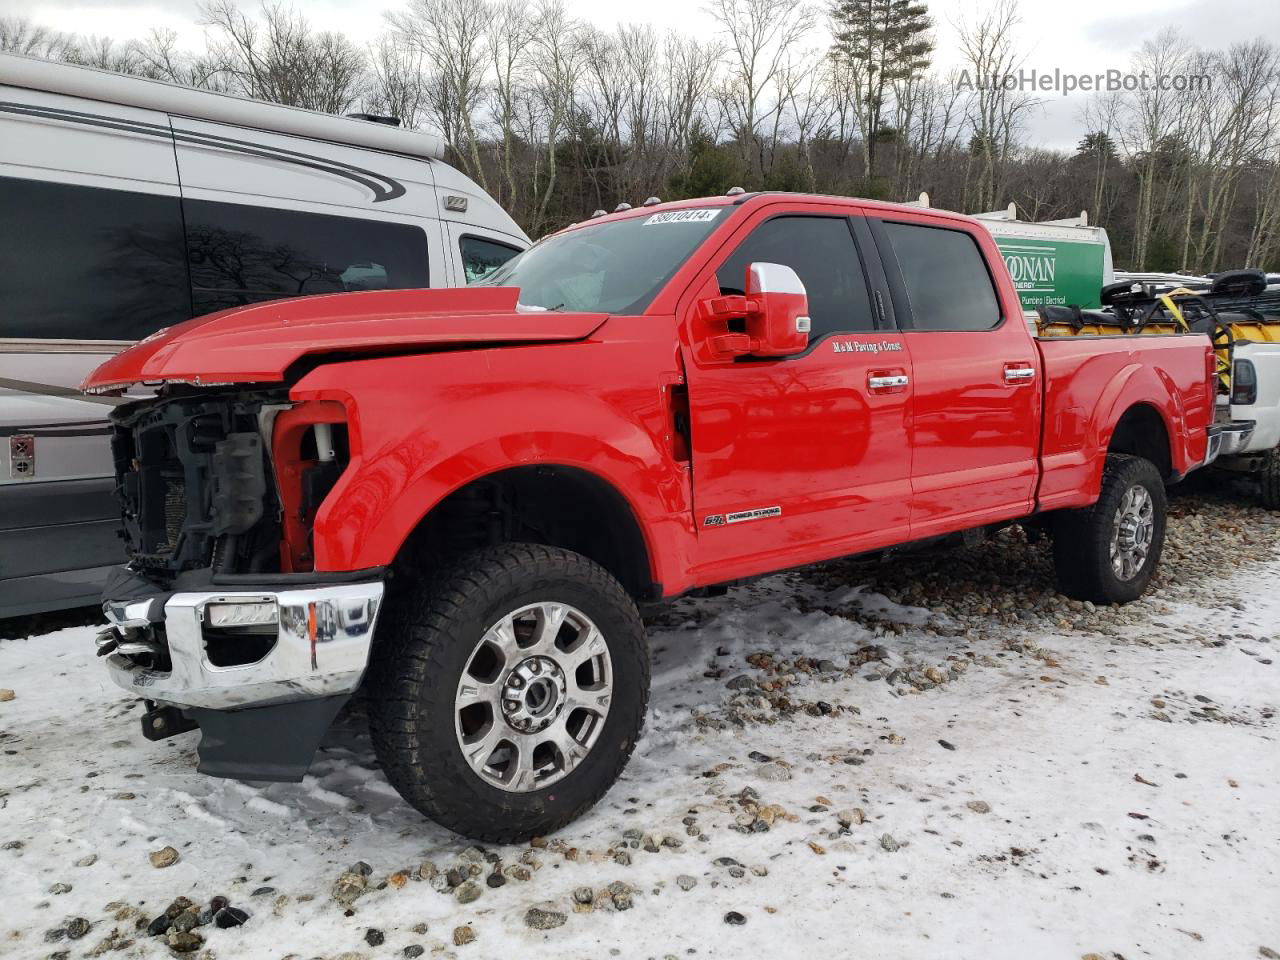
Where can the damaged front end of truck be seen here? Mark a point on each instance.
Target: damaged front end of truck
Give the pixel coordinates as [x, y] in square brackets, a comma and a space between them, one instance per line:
[223, 619]
[220, 621]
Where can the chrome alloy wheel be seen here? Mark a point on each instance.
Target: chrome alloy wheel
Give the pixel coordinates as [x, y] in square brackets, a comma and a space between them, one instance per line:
[533, 697]
[1132, 532]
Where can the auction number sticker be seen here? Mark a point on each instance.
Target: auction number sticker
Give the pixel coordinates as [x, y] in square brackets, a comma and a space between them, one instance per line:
[683, 216]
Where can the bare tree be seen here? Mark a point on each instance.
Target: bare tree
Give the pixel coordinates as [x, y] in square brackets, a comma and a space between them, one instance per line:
[398, 86]
[993, 54]
[510, 35]
[806, 95]
[560, 55]
[20, 35]
[690, 79]
[642, 66]
[759, 35]
[1152, 115]
[161, 58]
[1100, 116]
[1264, 234]
[281, 59]
[451, 36]
[1239, 119]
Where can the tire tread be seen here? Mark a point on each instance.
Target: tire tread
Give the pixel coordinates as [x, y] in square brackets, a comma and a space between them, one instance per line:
[1270, 480]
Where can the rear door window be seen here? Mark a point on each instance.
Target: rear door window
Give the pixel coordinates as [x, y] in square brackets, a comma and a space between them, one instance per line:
[241, 254]
[88, 263]
[480, 257]
[945, 278]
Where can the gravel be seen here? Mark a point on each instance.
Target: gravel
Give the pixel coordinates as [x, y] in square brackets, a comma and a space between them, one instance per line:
[164, 857]
[544, 917]
[1009, 579]
[77, 927]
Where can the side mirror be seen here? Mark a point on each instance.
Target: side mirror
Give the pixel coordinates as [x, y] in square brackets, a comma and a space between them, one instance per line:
[776, 313]
[779, 325]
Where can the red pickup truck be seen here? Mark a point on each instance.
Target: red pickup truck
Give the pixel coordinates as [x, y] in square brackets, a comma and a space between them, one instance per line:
[454, 500]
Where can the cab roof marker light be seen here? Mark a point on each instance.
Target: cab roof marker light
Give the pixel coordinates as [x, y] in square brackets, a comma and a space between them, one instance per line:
[734, 192]
[622, 206]
[652, 202]
[597, 213]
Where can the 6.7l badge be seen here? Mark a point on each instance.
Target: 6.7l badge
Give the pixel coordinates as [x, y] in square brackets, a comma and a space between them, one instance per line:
[741, 516]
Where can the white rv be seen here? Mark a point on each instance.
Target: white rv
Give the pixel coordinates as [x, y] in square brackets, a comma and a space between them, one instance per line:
[128, 205]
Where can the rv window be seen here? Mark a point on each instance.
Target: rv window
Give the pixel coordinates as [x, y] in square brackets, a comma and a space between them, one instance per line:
[240, 254]
[482, 257]
[84, 263]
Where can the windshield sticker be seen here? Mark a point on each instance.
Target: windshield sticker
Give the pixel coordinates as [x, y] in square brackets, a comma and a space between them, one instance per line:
[683, 216]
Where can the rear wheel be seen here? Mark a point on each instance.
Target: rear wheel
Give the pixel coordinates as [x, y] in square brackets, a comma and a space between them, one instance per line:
[507, 696]
[1108, 553]
[1270, 480]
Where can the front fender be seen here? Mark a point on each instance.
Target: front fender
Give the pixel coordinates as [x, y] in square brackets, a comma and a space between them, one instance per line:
[428, 425]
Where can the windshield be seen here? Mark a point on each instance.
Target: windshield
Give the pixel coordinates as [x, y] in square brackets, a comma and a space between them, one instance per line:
[615, 267]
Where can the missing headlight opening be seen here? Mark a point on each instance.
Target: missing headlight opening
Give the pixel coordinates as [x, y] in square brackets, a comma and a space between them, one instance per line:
[230, 482]
[310, 448]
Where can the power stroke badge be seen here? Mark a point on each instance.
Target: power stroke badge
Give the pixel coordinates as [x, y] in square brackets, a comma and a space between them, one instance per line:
[759, 513]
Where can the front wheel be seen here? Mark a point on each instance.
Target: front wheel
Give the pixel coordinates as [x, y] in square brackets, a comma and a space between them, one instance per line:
[1108, 553]
[507, 696]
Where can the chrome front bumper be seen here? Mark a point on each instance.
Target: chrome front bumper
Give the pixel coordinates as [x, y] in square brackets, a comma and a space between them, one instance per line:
[322, 647]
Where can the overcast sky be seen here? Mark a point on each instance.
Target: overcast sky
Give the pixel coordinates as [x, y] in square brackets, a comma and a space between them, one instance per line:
[1082, 36]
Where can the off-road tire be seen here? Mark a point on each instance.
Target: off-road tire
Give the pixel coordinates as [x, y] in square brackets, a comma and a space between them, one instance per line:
[425, 637]
[1269, 478]
[1082, 538]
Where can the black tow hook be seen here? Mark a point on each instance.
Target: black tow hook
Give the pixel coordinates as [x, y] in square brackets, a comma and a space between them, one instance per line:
[161, 722]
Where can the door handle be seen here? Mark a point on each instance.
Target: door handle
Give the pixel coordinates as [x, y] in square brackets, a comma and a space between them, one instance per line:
[888, 382]
[1016, 375]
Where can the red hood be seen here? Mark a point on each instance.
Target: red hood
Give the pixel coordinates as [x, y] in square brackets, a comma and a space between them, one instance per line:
[257, 344]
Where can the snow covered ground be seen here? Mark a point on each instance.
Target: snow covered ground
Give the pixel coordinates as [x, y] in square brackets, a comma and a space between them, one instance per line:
[1009, 787]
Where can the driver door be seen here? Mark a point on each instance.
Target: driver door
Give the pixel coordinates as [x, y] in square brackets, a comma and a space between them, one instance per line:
[805, 457]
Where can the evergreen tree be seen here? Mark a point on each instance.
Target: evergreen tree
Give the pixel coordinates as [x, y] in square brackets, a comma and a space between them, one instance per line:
[882, 42]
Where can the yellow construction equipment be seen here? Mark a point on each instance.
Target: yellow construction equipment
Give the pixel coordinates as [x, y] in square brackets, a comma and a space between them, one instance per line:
[1225, 316]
